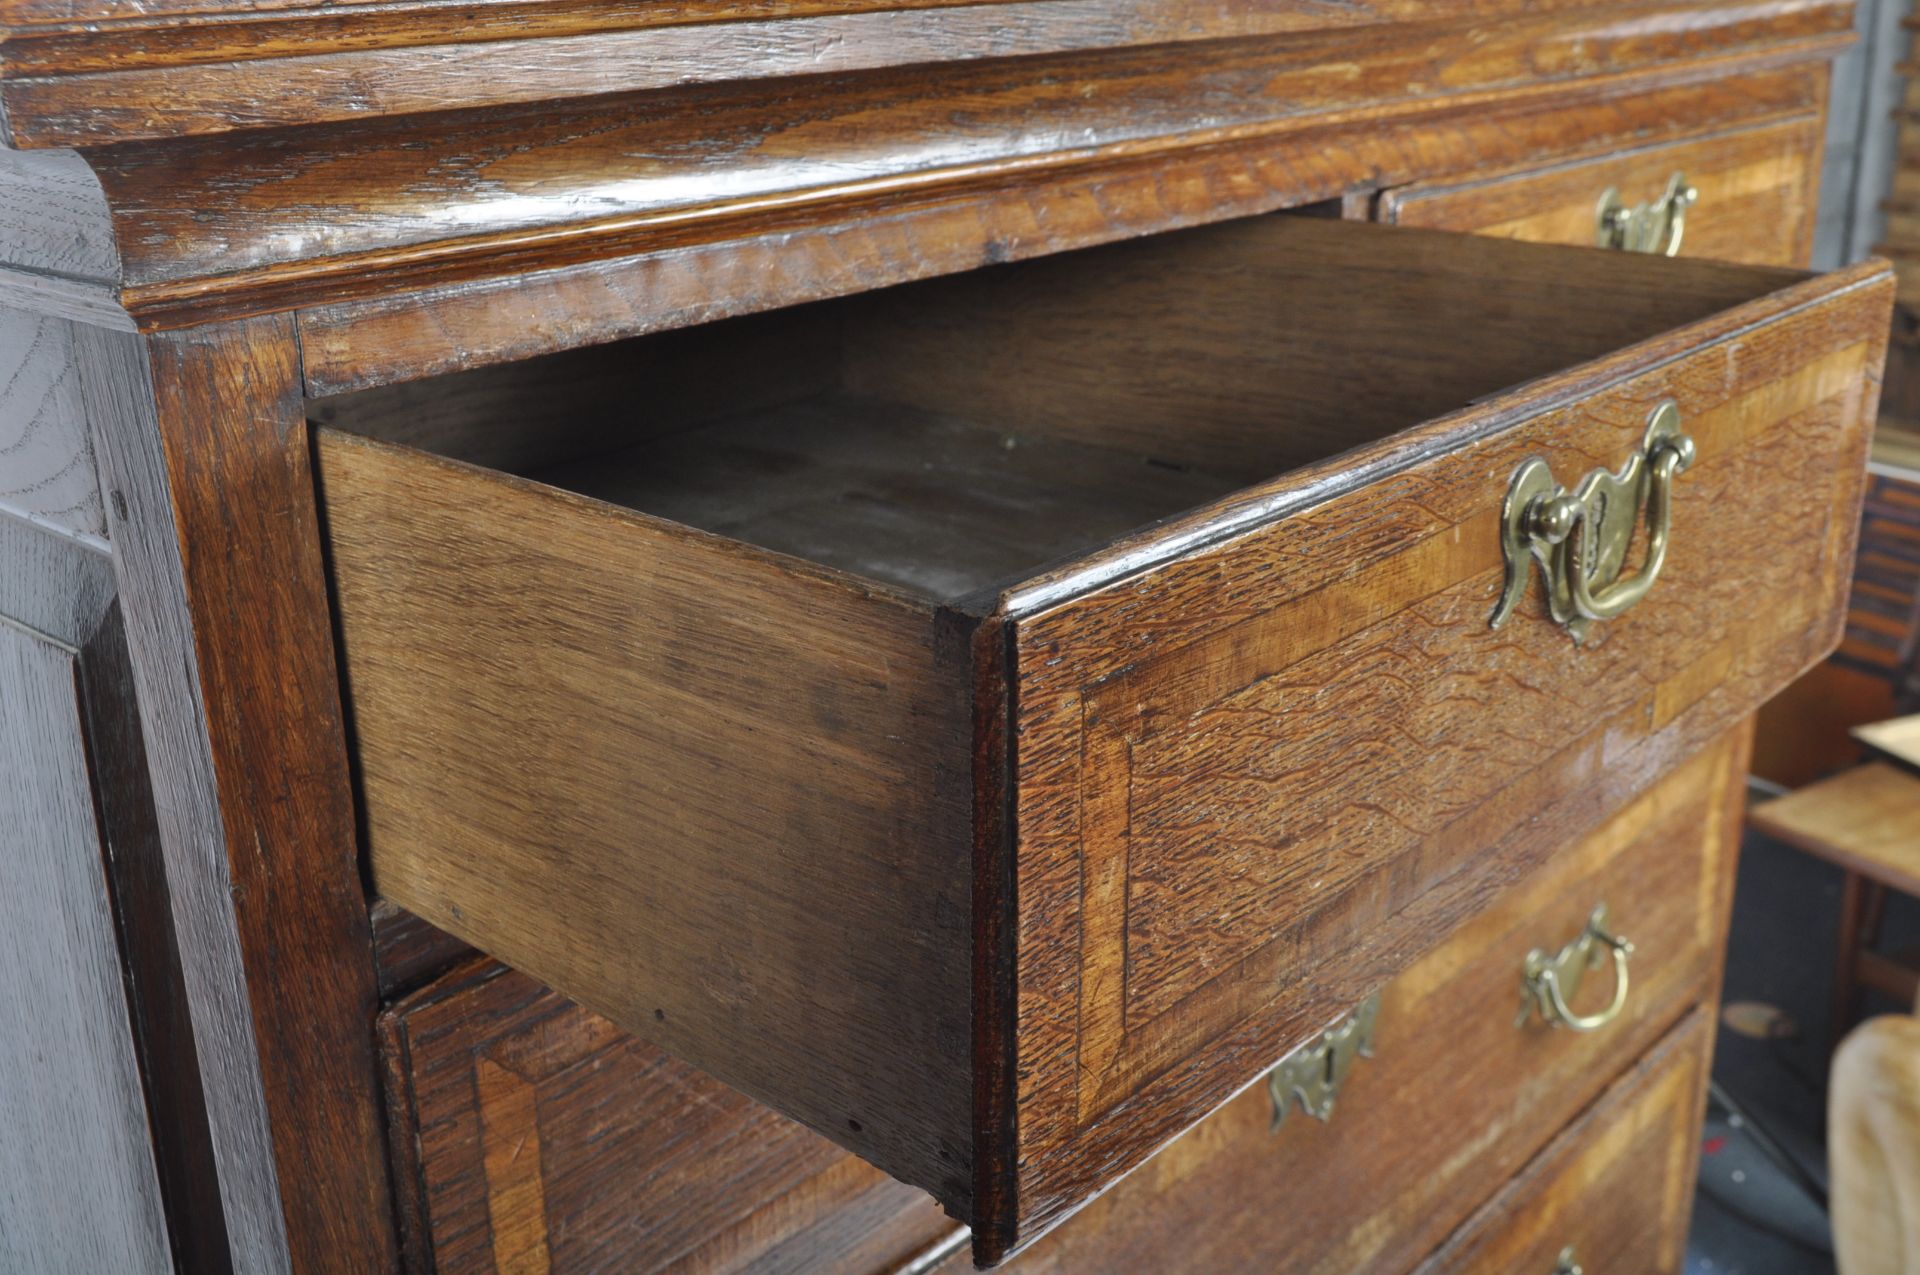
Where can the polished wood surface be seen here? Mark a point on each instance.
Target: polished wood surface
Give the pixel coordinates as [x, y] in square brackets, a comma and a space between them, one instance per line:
[338, 214]
[1616, 1186]
[1755, 194]
[1455, 1096]
[1866, 819]
[76, 81]
[535, 1135]
[1051, 208]
[525, 665]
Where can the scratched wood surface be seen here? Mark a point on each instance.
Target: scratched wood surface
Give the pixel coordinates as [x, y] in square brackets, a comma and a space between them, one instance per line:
[1454, 1098]
[1756, 194]
[537, 1136]
[409, 189]
[1616, 1186]
[1178, 924]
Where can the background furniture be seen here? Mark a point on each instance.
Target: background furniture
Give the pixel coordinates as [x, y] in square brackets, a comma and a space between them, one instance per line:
[1867, 821]
[997, 851]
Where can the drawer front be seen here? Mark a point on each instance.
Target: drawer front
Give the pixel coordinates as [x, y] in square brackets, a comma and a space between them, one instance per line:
[1756, 195]
[1615, 1188]
[1455, 1096]
[530, 1134]
[1238, 770]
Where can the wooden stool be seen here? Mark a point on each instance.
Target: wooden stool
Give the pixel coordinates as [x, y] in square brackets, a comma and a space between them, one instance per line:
[1866, 821]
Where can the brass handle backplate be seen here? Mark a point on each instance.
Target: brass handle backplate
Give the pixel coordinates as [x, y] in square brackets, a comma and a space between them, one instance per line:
[1656, 226]
[1580, 537]
[1548, 980]
[1313, 1073]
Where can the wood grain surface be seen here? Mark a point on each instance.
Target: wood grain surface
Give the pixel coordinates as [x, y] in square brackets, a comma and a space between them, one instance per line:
[207, 225]
[1455, 1098]
[1616, 1185]
[1178, 925]
[47, 470]
[1865, 819]
[82, 84]
[203, 444]
[340, 200]
[539, 1136]
[715, 794]
[79, 1188]
[150, 952]
[1000, 213]
[1258, 346]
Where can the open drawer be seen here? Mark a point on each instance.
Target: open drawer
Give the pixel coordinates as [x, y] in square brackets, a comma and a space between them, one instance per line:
[993, 719]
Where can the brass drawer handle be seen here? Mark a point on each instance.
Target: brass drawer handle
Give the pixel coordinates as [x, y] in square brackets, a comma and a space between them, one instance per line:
[1654, 227]
[1568, 1264]
[1549, 979]
[1580, 538]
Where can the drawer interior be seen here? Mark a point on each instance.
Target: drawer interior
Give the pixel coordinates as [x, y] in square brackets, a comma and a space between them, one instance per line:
[953, 435]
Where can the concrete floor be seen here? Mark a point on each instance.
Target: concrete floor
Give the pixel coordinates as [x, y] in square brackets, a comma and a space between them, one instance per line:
[1749, 1216]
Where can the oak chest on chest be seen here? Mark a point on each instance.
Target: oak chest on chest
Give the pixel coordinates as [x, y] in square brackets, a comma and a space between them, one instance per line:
[851, 638]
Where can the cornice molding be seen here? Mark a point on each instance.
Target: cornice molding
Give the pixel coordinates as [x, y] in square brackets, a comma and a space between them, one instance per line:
[335, 214]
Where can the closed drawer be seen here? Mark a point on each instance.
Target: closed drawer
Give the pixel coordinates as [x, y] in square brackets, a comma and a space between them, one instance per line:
[1613, 1192]
[970, 749]
[533, 1135]
[1755, 192]
[1455, 1096]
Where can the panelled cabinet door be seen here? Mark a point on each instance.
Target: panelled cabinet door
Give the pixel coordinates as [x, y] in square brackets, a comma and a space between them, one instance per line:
[78, 1186]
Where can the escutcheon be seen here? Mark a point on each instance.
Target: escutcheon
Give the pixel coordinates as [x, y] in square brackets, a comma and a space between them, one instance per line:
[1580, 538]
[1313, 1073]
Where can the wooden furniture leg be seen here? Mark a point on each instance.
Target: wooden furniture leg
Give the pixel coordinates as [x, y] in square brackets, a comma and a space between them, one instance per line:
[1846, 960]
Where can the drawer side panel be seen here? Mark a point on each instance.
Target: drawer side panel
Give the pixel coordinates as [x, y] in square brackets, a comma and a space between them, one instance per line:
[720, 798]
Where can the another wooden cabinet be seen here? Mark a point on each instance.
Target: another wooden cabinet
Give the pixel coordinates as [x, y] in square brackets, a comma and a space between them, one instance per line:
[921, 561]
